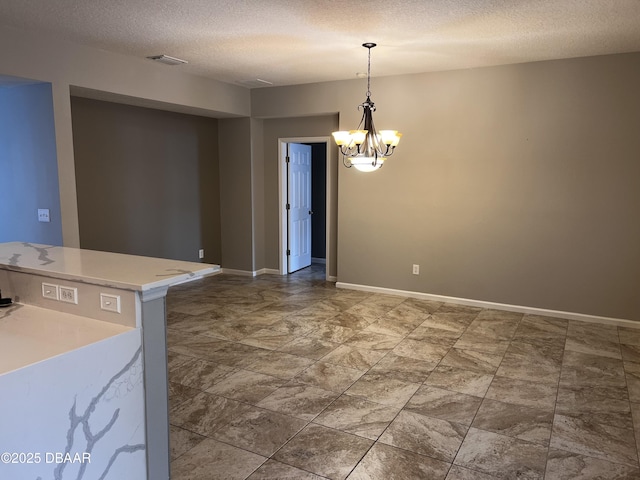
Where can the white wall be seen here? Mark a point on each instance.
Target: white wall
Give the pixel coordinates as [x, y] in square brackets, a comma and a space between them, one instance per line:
[28, 165]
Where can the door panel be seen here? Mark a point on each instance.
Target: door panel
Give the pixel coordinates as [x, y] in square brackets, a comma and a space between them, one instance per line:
[299, 212]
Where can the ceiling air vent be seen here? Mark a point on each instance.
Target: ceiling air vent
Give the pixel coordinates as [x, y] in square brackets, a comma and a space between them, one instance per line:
[166, 59]
[258, 82]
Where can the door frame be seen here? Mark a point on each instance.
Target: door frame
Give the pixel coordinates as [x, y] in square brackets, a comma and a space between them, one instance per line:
[282, 198]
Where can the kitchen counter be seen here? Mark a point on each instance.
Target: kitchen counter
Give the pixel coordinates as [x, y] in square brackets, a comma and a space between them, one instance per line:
[31, 334]
[128, 272]
[86, 334]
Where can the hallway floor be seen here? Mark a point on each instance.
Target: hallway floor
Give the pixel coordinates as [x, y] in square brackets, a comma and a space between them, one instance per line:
[290, 378]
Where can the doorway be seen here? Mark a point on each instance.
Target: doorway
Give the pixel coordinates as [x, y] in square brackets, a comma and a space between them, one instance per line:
[321, 216]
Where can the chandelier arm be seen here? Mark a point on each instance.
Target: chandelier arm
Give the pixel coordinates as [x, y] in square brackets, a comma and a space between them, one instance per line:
[364, 107]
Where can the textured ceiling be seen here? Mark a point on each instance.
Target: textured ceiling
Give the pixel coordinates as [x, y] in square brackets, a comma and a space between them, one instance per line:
[300, 41]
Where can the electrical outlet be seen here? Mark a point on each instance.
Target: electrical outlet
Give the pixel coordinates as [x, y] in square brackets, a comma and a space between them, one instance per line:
[50, 291]
[201, 253]
[416, 269]
[110, 303]
[69, 294]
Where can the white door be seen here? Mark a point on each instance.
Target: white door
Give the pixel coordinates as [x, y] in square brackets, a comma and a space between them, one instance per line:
[299, 206]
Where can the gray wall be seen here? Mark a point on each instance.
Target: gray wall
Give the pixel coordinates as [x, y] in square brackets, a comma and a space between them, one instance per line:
[147, 181]
[128, 78]
[514, 184]
[236, 196]
[258, 192]
[28, 165]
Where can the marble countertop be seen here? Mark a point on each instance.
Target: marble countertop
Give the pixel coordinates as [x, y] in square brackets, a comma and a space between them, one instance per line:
[129, 272]
[31, 334]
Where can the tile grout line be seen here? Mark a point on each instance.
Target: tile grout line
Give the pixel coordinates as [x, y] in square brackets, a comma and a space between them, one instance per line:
[555, 405]
[633, 420]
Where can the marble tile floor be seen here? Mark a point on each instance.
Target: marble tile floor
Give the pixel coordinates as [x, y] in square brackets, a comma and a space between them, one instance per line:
[290, 378]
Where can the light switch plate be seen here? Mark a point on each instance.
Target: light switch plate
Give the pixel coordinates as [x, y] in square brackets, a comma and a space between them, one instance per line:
[43, 215]
[50, 291]
[110, 303]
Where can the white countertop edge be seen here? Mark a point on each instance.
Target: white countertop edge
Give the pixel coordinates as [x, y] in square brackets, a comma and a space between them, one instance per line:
[93, 280]
[116, 270]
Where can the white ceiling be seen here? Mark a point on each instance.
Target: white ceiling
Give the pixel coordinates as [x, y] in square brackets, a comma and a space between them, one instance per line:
[301, 41]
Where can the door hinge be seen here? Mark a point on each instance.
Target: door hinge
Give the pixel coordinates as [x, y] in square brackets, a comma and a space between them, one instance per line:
[288, 207]
[288, 252]
[287, 159]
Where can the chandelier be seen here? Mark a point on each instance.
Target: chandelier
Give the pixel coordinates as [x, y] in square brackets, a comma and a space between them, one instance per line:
[365, 148]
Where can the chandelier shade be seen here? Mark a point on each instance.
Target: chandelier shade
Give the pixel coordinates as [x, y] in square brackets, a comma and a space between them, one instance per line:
[365, 148]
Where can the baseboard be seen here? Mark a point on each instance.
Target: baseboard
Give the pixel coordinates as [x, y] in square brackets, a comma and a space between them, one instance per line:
[322, 261]
[332, 278]
[249, 273]
[497, 306]
[267, 271]
[233, 271]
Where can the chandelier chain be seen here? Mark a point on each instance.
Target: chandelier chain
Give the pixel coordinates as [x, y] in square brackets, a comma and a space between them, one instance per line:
[369, 74]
